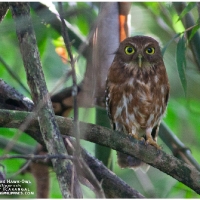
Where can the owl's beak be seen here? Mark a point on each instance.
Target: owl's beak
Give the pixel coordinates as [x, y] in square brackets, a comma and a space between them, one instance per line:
[140, 60]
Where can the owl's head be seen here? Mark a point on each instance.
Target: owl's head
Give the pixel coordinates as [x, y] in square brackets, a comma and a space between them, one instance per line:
[139, 51]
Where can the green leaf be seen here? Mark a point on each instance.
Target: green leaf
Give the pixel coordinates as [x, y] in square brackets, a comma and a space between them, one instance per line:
[194, 30]
[187, 9]
[165, 47]
[181, 62]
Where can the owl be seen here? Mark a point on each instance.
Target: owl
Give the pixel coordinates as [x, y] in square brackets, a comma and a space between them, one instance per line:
[137, 92]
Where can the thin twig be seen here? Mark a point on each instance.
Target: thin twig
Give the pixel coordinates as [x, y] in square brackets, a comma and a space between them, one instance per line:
[19, 132]
[23, 127]
[74, 90]
[36, 157]
[14, 75]
[72, 180]
[60, 82]
[21, 169]
[75, 87]
[84, 166]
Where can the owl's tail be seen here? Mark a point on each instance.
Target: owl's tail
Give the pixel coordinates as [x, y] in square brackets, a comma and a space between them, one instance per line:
[126, 161]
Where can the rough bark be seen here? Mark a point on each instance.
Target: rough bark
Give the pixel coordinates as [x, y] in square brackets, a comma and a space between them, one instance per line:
[168, 164]
[40, 96]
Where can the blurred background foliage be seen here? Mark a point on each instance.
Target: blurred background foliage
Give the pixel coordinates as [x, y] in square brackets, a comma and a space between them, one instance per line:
[156, 19]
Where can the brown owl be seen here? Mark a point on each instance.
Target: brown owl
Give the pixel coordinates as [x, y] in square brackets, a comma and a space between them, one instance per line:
[137, 92]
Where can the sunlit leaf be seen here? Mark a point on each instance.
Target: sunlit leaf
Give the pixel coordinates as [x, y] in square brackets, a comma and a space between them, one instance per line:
[187, 9]
[181, 62]
[58, 42]
[154, 6]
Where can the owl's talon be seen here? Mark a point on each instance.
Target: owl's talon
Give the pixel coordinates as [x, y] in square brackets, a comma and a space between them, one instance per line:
[153, 143]
[135, 136]
[142, 139]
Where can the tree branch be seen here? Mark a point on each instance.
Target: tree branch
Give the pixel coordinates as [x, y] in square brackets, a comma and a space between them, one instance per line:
[13, 100]
[84, 167]
[112, 185]
[178, 149]
[74, 79]
[157, 158]
[4, 6]
[35, 78]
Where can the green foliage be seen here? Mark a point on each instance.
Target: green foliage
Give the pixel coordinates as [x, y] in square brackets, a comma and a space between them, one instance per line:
[167, 45]
[181, 62]
[187, 9]
[158, 19]
[195, 29]
[13, 165]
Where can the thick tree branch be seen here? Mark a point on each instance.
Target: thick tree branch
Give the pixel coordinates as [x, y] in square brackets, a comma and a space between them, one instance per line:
[39, 92]
[167, 163]
[113, 186]
[4, 6]
[111, 189]
[178, 148]
[105, 43]
[13, 100]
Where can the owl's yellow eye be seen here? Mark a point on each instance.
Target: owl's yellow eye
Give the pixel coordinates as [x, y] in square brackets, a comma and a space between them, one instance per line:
[129, 50]
[150, 50]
